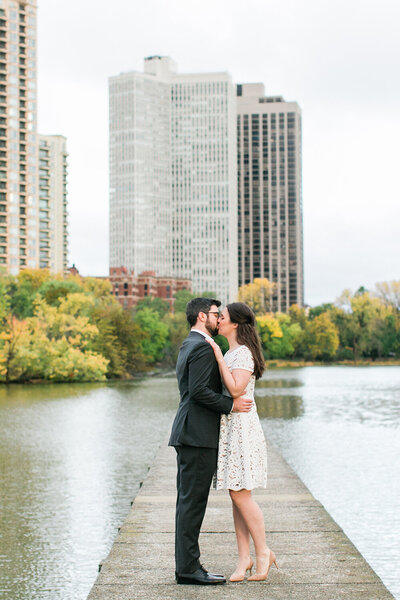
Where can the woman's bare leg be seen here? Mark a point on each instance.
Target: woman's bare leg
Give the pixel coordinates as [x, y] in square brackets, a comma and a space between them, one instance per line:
[252, 518]
[243, 543]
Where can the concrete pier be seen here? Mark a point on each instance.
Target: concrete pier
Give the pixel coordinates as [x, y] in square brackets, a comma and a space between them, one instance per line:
[316, 560]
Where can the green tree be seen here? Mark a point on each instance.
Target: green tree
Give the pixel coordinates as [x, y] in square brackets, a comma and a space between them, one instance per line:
[4, 299]
[206, 294]
[365, 315]
[178, 329]
[153, 345]
[279, 336]
[24, 289]
[52, 290]
[318, 310]
[159, 305]
[385, 337]
[182, 297]
[119, 340]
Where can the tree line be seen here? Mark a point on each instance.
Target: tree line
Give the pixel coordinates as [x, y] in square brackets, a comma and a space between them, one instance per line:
[73, 329]
[360, 325]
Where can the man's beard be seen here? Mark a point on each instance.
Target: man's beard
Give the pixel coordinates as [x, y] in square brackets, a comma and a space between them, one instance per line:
[211, 330]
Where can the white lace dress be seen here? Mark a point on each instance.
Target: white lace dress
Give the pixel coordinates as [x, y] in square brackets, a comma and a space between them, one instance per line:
[242, 450]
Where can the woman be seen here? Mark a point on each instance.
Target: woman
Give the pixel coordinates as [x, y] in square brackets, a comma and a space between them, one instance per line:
[242, 454]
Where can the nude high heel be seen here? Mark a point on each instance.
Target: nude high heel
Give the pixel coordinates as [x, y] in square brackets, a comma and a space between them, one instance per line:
[261, 575]
[240, 575]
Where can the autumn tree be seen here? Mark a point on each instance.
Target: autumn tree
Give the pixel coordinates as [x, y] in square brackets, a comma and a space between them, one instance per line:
[119, 340]
[23, 290]
[258, 295]
[321, 338]
[279, 336]
[298, 315]
[52, 290]
[366, 314]
[14, 336]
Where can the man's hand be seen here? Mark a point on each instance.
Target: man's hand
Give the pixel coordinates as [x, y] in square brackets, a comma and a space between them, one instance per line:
[242, 404]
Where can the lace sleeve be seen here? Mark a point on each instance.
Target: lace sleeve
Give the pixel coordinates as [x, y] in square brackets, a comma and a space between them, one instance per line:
[243, 359]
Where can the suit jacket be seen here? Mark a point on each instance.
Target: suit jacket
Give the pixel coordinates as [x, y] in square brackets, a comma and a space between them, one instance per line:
[197, 419]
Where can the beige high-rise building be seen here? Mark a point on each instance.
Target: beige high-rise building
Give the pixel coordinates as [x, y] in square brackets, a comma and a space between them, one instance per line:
[270, 220]
[19, 230]
[173, 196]
[53, 224]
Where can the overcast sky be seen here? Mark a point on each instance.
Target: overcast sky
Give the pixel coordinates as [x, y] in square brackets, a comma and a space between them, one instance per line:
[338, 59]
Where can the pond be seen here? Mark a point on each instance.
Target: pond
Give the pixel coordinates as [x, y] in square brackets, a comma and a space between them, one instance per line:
[72, 458]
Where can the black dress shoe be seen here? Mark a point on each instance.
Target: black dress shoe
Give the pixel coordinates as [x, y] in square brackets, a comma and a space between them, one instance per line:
[199, 577]
[212, 574]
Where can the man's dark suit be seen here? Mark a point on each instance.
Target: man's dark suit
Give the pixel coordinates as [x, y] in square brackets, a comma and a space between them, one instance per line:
[195, 434]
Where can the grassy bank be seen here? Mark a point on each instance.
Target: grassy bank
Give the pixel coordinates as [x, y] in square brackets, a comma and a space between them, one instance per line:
[284, 363]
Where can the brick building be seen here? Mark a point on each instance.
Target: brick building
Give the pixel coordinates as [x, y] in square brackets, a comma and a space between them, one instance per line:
[129, 288]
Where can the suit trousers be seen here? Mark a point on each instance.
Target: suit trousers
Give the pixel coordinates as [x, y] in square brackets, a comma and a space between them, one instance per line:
[196, 467]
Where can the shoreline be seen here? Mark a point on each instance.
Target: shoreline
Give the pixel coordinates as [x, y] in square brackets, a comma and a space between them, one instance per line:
[269, 364]
[279, 363]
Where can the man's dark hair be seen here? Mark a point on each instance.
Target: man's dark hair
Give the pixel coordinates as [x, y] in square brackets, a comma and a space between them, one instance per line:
[197, 305]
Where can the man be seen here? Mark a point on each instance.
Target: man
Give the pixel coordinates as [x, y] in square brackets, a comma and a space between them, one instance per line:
[195, 434]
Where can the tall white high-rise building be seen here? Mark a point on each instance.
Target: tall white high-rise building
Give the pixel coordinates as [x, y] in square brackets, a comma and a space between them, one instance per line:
[53, 224]
[140, 179]
[173, 188]
[19, 231]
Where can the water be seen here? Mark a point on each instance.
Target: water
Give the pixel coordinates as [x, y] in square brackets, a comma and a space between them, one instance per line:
[338, 427]
[72, 457]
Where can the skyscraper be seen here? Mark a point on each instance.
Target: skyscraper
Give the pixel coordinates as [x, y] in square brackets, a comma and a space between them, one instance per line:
[270, 232]
[140, 165]
[53, 225]
[18, 144]
[31, 236]
[173, 196]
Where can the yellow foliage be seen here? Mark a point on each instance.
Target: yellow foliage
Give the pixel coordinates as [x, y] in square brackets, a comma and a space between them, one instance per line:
[52, 345]
[323, 337]
[35, 277]
[269, 326]
[100, 288]
[258, 295]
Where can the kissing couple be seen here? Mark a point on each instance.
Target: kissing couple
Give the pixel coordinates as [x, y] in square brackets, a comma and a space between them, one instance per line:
[217, 435]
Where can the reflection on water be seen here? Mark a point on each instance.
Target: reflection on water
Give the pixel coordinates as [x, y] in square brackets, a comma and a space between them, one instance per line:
[345, 446]
[278, 383]
[72, 458]
[20, 394]
[279, 407]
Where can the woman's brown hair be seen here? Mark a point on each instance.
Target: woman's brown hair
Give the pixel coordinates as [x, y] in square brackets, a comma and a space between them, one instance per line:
[247, 334]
